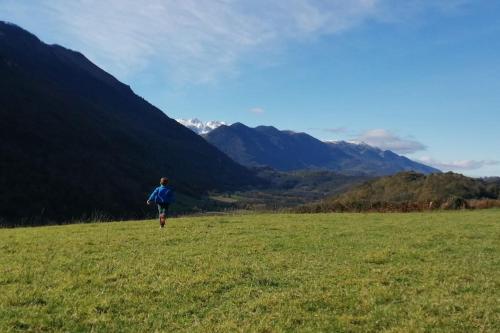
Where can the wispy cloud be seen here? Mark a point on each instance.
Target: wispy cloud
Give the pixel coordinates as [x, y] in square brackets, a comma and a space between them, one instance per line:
[199, 40]
[257, 110]
[387, 140]
[462, 165]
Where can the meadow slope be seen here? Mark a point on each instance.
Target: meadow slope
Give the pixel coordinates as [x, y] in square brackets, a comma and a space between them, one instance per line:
[418, 272]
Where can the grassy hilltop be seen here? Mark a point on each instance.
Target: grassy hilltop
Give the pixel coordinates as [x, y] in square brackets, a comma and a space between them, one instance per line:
[416, 272]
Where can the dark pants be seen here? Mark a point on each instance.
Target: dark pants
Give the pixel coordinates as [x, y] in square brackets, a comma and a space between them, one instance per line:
[163, 209]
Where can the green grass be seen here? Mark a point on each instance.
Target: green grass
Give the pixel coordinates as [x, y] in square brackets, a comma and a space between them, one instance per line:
[421, 272]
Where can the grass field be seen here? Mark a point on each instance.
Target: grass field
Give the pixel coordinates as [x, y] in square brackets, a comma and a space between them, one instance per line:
[419, 272]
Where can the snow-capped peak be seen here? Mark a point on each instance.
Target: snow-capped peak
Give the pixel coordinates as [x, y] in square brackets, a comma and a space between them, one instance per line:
[200, 127]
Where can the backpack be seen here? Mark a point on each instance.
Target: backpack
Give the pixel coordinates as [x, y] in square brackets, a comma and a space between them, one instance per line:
[165, 195]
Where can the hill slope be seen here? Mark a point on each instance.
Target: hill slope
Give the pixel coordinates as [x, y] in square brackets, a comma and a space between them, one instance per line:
[414, 187]
[409, 189]
[76, 141]
[287, 150]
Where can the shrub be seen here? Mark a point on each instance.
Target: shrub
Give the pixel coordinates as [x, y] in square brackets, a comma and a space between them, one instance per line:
[455, 203]
[484, 204]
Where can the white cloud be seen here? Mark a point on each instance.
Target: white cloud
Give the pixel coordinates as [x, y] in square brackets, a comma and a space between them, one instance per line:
[336, 130]
[199, 40]
[462, 165]
[386, 140]
[257, 110]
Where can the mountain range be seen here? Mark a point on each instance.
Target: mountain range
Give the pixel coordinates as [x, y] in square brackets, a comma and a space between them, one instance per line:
[74, 141]
[288, 151]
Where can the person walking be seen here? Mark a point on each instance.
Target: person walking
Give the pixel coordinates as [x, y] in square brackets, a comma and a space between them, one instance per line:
[162, 196]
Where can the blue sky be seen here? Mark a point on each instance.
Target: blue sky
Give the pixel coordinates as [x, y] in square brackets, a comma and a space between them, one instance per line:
[419, 77]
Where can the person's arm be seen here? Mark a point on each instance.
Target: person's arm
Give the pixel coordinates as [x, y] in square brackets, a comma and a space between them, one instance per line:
[152, 197]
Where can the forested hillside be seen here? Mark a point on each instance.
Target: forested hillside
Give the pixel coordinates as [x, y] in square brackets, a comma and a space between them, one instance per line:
[411, 191]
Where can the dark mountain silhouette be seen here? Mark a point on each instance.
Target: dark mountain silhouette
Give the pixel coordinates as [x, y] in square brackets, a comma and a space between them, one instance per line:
[287, 150]
[74, 141]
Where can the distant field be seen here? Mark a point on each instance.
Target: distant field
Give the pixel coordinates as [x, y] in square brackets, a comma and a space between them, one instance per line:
[419, 272]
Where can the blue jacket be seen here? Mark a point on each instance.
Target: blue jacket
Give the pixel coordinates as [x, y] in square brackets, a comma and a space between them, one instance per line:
[162, 194]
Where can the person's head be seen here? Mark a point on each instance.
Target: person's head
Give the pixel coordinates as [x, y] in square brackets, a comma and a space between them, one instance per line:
[164, 181]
